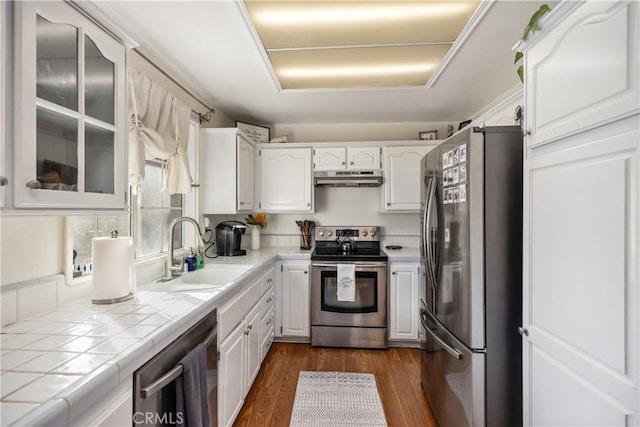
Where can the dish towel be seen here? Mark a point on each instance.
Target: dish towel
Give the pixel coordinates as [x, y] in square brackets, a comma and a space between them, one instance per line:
[346, 282]
[191, 389]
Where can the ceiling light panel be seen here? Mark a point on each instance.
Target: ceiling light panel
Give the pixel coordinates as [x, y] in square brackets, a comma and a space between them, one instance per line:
[357, 67]
[304, 24]
[355, 44]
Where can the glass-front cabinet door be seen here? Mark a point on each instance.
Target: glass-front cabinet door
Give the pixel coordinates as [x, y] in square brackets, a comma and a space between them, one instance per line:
[70, 111]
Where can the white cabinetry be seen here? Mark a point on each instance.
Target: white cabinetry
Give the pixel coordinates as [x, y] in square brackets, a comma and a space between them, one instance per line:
[227, 171]
[267, 310]
[239, 334]
[581, 336]
[565, 92]
[404, 322]
[70, 138]
[346, 158]
[232, 372]
[285, 180]
[252, 333]
[293, 299]
[401, 187]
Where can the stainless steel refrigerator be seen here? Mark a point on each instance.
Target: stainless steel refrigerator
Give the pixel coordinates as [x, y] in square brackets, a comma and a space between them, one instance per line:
[471, 303]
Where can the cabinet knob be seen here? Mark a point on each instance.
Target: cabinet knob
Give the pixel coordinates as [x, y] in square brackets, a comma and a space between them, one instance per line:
[3, 181]
[308, 204]
[351, 163]
[523, 331]
[394, 273]
[388, 203]
[269, 321]
[241, 203]
[306, 272]
[526, 132]
[343, 163]
[269, 300]
[34, 184]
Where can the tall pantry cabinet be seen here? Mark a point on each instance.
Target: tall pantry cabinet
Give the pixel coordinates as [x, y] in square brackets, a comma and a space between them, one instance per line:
[581, 319]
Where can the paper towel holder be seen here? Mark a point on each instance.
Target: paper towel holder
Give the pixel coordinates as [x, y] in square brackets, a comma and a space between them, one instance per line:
[114, 235]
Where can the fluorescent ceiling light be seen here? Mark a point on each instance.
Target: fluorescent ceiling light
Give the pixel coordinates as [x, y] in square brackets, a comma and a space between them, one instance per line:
[318, 44]
[378, 70]
[361, 14]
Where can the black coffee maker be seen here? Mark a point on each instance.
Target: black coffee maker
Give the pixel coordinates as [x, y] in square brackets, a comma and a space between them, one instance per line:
[229, 237]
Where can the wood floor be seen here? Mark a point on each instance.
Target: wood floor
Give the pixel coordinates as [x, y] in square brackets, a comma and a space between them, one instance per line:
[397, 372]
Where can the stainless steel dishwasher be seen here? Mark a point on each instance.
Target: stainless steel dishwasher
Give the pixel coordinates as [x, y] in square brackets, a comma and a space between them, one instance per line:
[154, 391]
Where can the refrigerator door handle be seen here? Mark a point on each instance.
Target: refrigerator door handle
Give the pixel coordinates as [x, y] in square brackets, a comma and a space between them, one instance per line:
[424, 219]
[437, 193]
[430, 270]
[452, 351]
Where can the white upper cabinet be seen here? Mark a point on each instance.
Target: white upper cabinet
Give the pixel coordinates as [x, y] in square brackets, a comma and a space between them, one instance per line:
[401, 186]
[562, 62]
[70, 111]
[227, 171]
[346, 158]
[285, 180]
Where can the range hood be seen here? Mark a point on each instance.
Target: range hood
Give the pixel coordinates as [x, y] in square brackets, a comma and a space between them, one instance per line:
[347, 178]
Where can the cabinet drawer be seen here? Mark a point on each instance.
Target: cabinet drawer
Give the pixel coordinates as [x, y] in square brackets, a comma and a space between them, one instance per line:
[232, 313]
[267, 301]
[268, 279]
[266, 325]
[266, 342]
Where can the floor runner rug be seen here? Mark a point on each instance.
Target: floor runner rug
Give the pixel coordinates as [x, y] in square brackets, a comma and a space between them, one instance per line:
[337, 399]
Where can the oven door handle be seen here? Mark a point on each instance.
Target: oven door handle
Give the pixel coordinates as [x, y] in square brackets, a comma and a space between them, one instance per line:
[174, 373]
[358, 266]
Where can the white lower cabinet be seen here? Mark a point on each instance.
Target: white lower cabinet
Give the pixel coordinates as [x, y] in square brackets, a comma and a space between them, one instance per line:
[252, 333]
[232, 372]
[246, 331]
[404, 322]
[293, 299]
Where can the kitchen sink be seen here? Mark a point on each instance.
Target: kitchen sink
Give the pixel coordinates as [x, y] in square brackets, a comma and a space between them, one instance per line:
[209, 279]
[214, 275]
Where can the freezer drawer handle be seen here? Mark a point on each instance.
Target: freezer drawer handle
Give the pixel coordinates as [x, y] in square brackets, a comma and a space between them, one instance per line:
[452, 351]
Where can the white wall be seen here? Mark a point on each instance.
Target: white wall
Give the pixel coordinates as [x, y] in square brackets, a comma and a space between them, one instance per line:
[343, 132]
[340, 206]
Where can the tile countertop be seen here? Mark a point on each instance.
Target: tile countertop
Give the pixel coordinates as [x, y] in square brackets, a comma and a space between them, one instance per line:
[58, 365]
[403, 255]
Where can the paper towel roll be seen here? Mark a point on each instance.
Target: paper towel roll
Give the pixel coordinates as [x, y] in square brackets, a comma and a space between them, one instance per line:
[113, 268]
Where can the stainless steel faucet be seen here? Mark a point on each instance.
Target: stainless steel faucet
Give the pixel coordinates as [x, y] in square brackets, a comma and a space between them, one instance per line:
[171, 268]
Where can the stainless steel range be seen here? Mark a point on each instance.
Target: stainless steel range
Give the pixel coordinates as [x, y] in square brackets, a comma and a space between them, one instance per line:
[361, 319]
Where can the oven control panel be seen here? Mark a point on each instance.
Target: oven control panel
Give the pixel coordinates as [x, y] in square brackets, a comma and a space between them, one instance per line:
[370, 234]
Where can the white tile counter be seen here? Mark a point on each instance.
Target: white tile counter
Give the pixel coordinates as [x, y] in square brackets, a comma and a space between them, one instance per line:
[403, 255]
[56, 366]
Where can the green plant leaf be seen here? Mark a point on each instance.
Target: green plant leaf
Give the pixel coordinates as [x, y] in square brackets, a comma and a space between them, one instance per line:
[520, 72]
[532, 26]
[519, 56]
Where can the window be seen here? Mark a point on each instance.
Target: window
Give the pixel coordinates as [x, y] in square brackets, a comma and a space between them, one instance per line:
[152, 212]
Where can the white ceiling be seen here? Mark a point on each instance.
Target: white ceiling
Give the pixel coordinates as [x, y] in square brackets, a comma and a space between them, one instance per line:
[210, 47]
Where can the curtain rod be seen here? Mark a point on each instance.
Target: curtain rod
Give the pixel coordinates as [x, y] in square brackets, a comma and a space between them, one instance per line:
[203, 117]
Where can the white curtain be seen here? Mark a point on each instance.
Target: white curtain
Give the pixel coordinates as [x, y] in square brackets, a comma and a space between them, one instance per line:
[158, 129]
